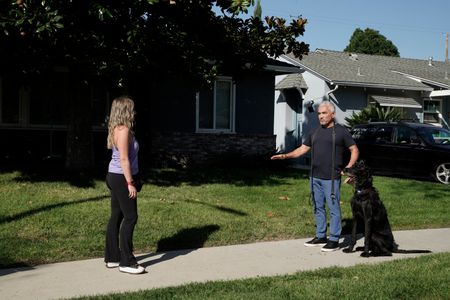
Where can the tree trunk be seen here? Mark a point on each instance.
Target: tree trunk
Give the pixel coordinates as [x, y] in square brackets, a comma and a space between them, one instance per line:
[80, 153]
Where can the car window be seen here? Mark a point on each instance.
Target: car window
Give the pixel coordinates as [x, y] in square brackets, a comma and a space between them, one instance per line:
[383, 134]
[436, 135]
[362, 133]
[405, 135]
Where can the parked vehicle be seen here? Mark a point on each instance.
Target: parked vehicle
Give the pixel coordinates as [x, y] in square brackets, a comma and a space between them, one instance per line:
[405, 149]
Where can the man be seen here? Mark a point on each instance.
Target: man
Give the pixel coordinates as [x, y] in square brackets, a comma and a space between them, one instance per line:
[325, 183]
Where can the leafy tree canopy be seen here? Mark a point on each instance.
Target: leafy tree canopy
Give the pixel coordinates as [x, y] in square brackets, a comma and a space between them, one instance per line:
[121, 38]
[370, 41]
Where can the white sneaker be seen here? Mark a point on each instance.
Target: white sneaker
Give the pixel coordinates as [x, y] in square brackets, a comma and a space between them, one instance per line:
[111, 265]
[134, 269]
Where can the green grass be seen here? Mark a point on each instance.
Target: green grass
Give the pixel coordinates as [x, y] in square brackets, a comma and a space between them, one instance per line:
[47, 219]
[425, 277]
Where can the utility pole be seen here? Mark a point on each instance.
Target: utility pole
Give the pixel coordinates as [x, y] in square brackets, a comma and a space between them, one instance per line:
[446, 48]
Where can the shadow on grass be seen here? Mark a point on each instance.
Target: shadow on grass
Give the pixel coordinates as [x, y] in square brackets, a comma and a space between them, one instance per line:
[239, 176]
[77, 179]
[183, 242]
[54, 171]
[29, 213]
[219, 207]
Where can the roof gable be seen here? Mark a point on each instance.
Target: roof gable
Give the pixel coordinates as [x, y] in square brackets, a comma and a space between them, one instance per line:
[292, 81]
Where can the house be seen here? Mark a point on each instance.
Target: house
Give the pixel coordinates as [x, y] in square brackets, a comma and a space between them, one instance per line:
[175, 123]
[233, 120]
[420, 88]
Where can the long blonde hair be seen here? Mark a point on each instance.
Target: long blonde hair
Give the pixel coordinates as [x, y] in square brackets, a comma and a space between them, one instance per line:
[122, 113]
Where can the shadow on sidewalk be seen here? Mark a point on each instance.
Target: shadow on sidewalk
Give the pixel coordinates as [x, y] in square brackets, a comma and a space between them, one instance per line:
[182, 243]
[12, 270]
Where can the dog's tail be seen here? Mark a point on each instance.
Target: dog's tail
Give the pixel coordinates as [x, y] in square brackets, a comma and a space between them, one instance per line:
[410, 251]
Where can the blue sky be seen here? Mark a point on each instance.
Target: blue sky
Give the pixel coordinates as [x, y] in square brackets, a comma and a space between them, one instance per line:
[417, 28]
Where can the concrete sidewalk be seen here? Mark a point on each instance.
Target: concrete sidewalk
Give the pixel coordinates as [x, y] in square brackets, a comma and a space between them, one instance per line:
[90, 277]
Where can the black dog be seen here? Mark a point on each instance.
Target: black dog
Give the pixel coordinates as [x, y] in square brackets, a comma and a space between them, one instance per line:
[368, 209]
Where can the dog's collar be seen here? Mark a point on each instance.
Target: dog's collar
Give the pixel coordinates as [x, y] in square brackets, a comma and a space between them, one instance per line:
[362, 191]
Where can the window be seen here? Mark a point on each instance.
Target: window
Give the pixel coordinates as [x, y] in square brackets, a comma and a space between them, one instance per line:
[383, 134]
[49, 102]
[431, 110]
[436, 135]
[405, 135]
[363, 133]
[44, 102]
[215, 107]
[9, 101]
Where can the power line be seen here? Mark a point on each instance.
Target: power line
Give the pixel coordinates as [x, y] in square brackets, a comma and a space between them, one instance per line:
[358, 23]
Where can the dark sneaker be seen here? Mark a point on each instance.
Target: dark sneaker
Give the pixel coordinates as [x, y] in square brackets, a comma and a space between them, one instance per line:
[111, 265]
[316, 242]
[134, 269]
[330, 246]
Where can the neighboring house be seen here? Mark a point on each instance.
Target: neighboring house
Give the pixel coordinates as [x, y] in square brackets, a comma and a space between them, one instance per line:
[420, 88]
[175, 123]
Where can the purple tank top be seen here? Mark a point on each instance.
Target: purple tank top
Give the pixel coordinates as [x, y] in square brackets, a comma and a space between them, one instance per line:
[114, 164]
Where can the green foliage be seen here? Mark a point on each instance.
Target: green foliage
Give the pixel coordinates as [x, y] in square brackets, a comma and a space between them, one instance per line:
[121, 39]
[235, 6]
[370, 41]
[374, 113]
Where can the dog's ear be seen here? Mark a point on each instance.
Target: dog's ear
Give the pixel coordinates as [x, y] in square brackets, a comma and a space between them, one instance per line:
[361, 164]
[367, 170]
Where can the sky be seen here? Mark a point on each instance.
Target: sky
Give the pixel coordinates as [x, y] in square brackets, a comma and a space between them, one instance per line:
[418, 28]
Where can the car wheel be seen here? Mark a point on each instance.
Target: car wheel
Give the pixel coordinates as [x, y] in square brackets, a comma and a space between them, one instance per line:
[443, 173]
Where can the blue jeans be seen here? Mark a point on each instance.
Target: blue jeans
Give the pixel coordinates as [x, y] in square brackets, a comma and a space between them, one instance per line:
[321, 189]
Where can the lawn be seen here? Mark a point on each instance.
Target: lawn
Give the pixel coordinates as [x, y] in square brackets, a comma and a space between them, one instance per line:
[45, 219]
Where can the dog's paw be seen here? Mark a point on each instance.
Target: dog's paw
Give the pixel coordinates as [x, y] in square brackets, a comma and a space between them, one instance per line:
[347, 250]
[365, 254]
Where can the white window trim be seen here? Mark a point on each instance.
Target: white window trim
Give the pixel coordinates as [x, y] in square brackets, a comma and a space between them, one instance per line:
[232, 109]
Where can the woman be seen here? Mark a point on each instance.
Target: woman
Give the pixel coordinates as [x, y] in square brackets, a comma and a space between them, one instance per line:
[122, 168]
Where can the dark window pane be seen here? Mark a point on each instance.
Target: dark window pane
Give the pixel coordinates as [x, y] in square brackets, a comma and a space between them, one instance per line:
[10, 101]
[99, 105]
[383, 135]
[49, 102]
[223, 102]
[206, 110]
[406, 135]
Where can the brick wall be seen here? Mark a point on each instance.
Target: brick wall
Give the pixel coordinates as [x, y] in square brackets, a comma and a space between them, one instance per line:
[188, 149]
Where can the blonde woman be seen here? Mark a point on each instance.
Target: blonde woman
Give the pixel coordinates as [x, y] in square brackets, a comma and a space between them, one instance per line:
[122, 168]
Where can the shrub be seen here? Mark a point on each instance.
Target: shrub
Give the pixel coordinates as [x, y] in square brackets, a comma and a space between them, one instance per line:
[374, 113]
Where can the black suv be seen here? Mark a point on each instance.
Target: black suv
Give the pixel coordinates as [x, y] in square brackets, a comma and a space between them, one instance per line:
[405, 149]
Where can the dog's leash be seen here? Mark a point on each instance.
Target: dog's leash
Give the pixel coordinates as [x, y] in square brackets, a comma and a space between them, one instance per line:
[311, 195]
[333, 158]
